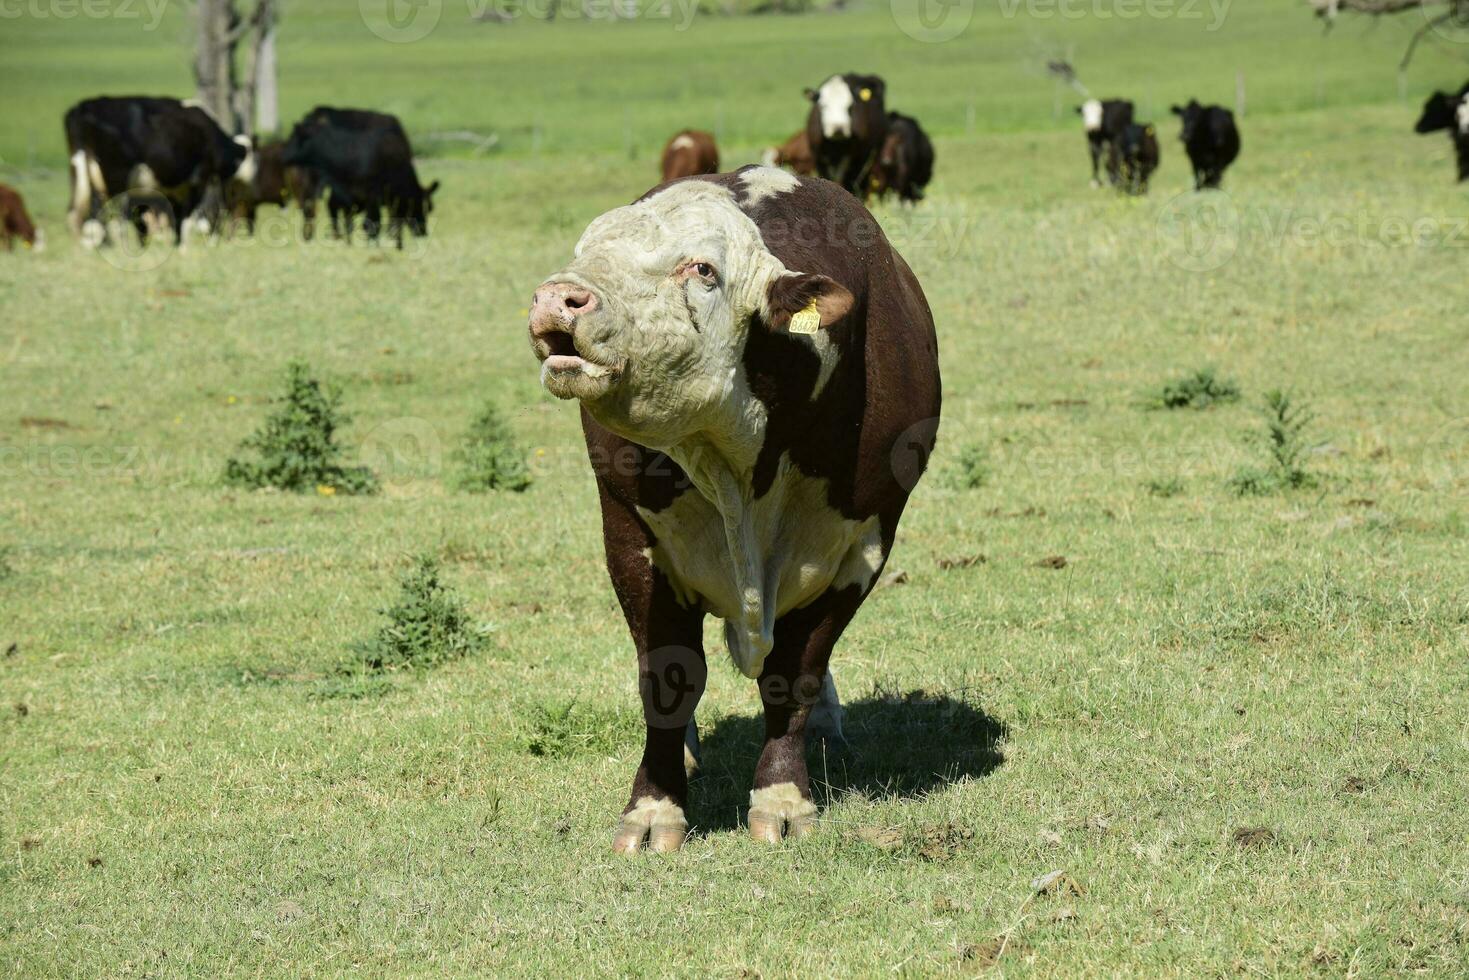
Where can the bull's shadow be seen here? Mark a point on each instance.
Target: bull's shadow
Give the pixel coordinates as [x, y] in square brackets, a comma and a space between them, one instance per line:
[899, 746]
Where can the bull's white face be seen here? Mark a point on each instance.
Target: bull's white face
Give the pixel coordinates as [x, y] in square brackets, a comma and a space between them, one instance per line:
[1461, 115]
[1091, 115]
[676, 279]
[834, 100]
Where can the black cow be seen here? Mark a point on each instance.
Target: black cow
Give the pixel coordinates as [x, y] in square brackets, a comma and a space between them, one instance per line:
[1211, 139]
[156, 151]
[1451, 112]
[905, 164]
[366, 162]
[1133, 158]
[846, 128]
[1104, 120]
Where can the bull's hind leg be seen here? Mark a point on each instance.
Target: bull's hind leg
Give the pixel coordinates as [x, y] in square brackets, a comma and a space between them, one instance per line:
[794, 683]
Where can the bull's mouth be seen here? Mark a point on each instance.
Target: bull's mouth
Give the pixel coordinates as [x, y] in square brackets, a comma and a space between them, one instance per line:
[567, 373]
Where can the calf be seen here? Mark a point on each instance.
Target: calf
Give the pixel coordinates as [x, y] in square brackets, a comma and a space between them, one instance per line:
[689, 154]
[794, 153]
[15, 222]
[1450, 112]
[366, 162]
[1211, 140]
[759, 385]
[274, 183]
[1133, 158]
[1104, 120]
[846, 128]
[154, 150]
[905, 164]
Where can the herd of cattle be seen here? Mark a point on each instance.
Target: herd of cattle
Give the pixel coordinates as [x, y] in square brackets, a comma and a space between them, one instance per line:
[166, 163]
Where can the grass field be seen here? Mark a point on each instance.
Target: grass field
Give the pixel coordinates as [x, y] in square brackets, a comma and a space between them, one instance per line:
[188, 787]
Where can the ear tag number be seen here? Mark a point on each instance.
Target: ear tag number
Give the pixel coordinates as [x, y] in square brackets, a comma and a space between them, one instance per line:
[806, 321]
[865, 95]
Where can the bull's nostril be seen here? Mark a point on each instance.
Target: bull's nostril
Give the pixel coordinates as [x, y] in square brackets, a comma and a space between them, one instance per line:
[577, 301]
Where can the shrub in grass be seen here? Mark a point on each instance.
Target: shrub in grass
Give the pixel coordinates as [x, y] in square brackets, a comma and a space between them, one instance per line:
[490, 459]
[426, 626]
[296, 449]
[1198, 390]
[1166, 487]
[558, 731]
[972, 468]
[1286, 420]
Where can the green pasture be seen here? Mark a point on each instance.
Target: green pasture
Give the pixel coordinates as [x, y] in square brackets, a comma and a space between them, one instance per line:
[1240, 725]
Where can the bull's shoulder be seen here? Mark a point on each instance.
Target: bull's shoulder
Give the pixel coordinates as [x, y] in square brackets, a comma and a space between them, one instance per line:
[632, 474]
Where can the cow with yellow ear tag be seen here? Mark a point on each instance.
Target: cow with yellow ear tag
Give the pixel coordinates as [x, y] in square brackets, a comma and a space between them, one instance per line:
[846, 127]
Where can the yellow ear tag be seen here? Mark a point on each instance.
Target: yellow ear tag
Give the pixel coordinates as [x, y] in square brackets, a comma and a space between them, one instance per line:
[807, 320]
[865, 95]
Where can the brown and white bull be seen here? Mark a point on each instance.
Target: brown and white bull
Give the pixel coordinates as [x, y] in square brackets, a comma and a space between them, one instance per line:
[758, 377]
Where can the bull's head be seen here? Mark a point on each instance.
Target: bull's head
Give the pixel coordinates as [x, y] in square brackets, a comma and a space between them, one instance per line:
[1190, 115]
[647, 324]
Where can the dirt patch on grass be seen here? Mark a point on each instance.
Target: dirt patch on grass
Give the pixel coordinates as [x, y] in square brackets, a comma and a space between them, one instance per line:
[41, 422]
[1254, 838]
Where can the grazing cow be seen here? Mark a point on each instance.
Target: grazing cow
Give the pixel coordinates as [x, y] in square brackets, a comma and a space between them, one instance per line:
[157, 151]
[274, 183]
[905, 164]
[846, 128]
[690, 154]
[366, 162]
[1211, 139]
[1450, 112]
[794, 153]
[15, 222]
[1133, 158]
[1104, 120]
[759, 385]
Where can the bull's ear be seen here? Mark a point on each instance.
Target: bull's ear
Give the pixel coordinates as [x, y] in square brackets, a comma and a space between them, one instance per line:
[429, 190]
[810, 94]
[1176, 110]
[798, 292]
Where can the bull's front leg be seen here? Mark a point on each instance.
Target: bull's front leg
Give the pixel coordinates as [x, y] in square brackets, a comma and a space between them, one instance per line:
[671, 681]
[793, 683]
[671, 678]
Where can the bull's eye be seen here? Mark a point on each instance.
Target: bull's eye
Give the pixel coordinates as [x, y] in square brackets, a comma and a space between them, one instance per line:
[704, 270]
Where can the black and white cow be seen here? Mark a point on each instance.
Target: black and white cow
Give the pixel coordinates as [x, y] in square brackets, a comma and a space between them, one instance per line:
[1103, 120]
[151, 150]
[1133, 157]
[1451, 112]
[846, 128]
[1211, 138]
[365, 160]
[758, 375]
[905, 163]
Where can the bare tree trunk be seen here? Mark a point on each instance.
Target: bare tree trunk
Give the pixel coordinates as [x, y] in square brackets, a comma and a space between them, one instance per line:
[267, 107]
[214, 60]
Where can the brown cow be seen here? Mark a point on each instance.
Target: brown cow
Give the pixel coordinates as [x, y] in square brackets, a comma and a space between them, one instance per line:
[15, 222]
[274, 183]
[690, 154]
[794, 153]
[759, 385]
